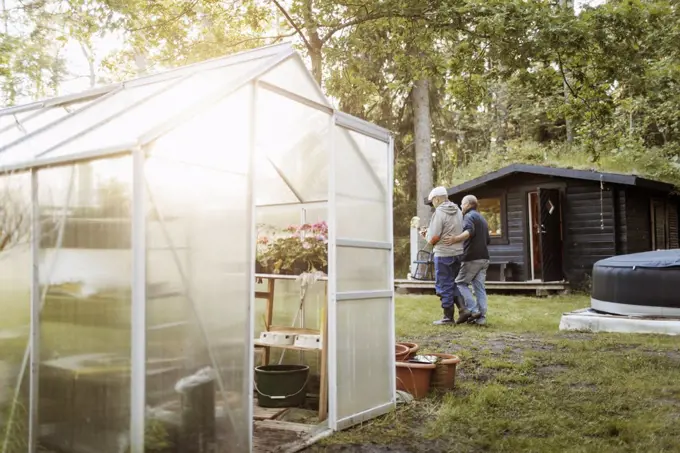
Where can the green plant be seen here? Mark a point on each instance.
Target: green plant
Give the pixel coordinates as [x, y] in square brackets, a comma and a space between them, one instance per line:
[297, 249]
[156, 438]
[14, 433]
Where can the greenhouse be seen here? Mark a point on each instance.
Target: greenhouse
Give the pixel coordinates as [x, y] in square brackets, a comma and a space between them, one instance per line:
[162, 238]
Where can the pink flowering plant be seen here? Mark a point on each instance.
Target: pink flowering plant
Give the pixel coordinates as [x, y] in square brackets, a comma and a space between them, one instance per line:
[297, 249]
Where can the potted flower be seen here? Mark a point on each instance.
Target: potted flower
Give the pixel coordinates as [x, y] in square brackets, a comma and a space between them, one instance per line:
[297, 249]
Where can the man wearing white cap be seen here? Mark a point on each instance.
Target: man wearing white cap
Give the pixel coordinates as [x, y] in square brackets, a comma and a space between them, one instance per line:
[447, 220]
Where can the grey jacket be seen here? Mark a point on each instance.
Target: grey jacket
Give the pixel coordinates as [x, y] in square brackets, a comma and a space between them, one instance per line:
[446, 221]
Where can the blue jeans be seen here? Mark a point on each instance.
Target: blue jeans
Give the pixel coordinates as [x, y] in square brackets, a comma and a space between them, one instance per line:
[474, 272]
[445, 269]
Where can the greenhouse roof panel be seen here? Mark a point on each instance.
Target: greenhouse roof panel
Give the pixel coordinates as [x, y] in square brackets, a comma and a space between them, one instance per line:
[127, 114]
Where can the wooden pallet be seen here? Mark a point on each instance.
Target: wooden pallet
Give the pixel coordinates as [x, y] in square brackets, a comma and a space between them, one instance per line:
[541, 288]
[267, 413]
[270, 436]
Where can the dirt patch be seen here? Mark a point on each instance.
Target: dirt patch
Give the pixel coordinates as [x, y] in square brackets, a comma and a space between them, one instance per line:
[267, 440]
[551, 370]
[359, 449]
[672, 355]
[582, 336]
[583, 386]
[419, 446]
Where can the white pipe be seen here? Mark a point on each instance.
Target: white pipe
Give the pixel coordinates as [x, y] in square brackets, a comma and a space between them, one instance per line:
[309, 442]
[415, 221]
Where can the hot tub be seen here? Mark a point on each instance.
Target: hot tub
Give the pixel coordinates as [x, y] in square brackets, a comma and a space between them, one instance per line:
[640, 284]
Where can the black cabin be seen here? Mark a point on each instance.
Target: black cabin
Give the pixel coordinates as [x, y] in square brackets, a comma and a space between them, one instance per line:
[551, 224]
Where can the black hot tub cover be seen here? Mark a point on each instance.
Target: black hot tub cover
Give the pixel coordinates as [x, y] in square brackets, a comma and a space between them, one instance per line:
[658, 258]
[638, 284]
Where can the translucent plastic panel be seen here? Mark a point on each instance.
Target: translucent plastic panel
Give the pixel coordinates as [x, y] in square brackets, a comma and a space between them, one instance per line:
[294, 77]
[204, 141]
[287, 302]
[294, 138]
[270, 188]
[85, 275]
[281, 217]
[15, 284]
[361, 192]
[315, 213]
[6, 121]
[198, 269]
[364, 356]
[18, 125]
[177, 99]
[29, 122]
[373, 151]
[363, 269]
[360, 157]
[361, 219]
[277, 217]
[78, 123]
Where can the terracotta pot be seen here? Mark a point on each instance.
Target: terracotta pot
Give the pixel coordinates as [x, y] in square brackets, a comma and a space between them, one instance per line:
[413, 349]
[414, 378]
[401, 352]
[444, 376]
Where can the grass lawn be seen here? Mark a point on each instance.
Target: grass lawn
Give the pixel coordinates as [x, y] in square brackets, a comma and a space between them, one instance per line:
[523, 386]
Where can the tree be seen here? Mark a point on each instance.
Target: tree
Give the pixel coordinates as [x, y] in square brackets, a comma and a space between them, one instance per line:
[15, 214]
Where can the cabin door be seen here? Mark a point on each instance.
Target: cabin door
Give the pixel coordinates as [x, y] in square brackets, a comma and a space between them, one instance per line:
[550, 234]
[534, 229]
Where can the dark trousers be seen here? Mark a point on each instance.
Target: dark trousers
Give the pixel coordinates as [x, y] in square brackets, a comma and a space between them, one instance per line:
[446, 269]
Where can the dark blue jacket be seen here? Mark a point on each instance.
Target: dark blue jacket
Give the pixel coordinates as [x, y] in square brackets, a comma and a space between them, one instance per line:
[476, 246]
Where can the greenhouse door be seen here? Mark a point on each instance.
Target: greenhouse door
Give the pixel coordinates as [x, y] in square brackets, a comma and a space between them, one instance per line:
[361, 288]
[199, 278]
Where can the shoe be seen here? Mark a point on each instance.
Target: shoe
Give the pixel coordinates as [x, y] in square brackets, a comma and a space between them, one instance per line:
[463, 313]
[475, 316]
[447, 319]
[481, 321]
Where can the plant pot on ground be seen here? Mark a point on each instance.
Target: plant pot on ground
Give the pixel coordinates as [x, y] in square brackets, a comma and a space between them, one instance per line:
[414, 378]
[401, 352]
[444, 376]
[413, 349]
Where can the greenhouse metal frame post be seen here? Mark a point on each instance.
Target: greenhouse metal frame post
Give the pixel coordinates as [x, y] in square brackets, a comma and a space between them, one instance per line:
[138, 311]
[35, 317]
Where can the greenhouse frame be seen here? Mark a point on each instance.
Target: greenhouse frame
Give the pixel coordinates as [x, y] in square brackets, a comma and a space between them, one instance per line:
[128, 241]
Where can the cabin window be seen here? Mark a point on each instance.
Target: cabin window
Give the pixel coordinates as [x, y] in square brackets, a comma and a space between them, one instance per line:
[492, 210]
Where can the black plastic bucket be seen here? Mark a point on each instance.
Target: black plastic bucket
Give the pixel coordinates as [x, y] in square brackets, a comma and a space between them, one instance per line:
[281, 385]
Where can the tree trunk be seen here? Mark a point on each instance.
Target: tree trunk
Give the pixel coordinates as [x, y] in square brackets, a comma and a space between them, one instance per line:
[141, 62]
[317, 64]
[500, 113]
[89, 56]
[423, 147]
[314, 43]
[565, 86]
[5, 18]
[8, 89]
[567, 120]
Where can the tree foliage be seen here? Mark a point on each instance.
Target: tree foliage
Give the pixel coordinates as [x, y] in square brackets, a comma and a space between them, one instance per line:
[509, 80]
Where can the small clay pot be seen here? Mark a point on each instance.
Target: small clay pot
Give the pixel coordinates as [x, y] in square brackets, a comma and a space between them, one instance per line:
[413, 349]
[444, 376]
[401, 352]
[414, 378]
